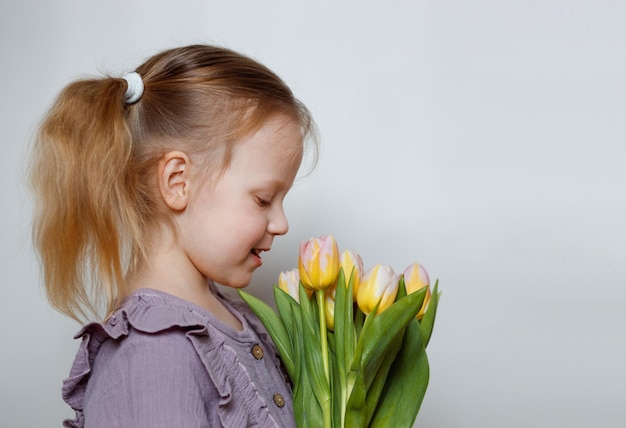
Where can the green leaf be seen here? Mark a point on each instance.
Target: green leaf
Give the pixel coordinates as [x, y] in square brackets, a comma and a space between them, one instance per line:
[285, 304]
[374, 345]
[406, 383]
[380, 330]
[428, 320]
[332, 342]
[401, 289]
[312, 350]
[375, 390]
[298, 347]
[378, 383]
[335, 387]
[306, 408]
[345, 337]
[359, 320]
[342, 318]
[355, 409]
[274, 326]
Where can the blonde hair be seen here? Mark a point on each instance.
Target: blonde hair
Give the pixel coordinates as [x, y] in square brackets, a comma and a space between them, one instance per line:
[94, 162]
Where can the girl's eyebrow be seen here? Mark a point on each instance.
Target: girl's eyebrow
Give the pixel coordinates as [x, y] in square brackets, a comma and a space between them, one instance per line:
[273, 181]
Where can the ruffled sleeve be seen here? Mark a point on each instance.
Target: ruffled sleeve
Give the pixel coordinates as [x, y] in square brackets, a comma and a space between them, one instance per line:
[75, 385]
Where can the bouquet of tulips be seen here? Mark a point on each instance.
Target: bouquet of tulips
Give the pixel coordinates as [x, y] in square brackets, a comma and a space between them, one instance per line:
[355, 352]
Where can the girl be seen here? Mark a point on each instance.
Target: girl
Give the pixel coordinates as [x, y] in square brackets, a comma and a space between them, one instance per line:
[151, 189]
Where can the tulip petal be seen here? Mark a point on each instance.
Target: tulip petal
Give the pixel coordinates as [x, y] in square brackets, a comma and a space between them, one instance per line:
[289, 282]
[352, 265]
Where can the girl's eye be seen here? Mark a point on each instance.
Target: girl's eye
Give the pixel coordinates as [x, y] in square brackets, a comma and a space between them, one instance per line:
[263, 202]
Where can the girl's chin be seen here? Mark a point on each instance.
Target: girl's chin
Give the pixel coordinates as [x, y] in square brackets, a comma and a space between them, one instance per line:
[237, 278]
[238, 286]
[236, 283]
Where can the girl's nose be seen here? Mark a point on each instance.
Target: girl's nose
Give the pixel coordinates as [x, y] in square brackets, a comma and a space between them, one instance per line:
[278, 224]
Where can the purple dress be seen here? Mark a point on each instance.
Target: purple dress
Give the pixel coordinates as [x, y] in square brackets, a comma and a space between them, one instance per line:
[160, 361]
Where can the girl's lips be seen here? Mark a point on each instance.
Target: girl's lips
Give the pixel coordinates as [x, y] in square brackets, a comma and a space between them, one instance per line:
[256, 255]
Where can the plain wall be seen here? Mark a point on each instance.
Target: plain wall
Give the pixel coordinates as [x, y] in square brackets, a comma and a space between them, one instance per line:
[484, 139]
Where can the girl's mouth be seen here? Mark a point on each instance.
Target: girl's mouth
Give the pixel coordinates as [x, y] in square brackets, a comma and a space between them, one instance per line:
[256, 254]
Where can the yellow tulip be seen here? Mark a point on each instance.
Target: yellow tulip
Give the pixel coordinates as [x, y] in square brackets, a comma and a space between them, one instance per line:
[416, 278]
[350, 261]
[329, 307]
[379, 284]
[318, 263]
[289, 282]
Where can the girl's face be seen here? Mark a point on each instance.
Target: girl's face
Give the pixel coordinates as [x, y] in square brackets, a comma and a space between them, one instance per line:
[230, 222]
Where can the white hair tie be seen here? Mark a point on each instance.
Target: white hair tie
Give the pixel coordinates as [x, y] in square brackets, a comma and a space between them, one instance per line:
[134, 91]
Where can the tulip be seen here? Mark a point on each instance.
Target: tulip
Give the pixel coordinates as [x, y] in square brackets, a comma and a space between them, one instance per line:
[329, 308]
[379, 285]
[289, 282]
[416, 278]
[318, 266]
[318, 263]
[350, 261]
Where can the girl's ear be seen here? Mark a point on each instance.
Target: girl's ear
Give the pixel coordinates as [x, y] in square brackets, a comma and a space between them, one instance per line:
[173, 176]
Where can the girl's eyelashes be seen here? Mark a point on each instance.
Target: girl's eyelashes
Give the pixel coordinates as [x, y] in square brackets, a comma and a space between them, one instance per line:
[263, 202]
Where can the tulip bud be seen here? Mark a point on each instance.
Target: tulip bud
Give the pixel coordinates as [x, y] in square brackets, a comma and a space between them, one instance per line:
[416, 278]
[329, 308]
[379, 284]
[289, 282]
[318, 263]
[350, 261]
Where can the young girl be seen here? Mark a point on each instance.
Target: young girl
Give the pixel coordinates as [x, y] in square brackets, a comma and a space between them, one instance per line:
[151, 189]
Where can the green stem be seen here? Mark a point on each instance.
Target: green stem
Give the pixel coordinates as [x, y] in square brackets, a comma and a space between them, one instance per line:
[326, 407]
[323, 337]
[345, 395]
[344, 404]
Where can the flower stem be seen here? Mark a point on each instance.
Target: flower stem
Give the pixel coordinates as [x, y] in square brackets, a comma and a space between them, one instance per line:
[344, 404]
[326, 407]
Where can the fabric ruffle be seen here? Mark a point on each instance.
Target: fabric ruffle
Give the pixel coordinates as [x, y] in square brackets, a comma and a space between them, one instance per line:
[151, 311]
[257, 326]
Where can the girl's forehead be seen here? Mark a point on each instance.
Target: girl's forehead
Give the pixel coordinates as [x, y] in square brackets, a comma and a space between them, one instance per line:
[279, 135]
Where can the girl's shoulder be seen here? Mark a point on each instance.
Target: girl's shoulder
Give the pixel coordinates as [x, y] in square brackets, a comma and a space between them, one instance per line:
[139, 341]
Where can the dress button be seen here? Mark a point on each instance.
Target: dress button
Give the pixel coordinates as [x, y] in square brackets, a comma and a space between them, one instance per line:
[257, 351]
[279, 400]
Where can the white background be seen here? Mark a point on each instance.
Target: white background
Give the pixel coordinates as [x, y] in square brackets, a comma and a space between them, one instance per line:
[484, 139]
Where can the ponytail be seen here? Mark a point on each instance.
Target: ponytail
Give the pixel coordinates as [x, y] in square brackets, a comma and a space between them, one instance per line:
[83, 196]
